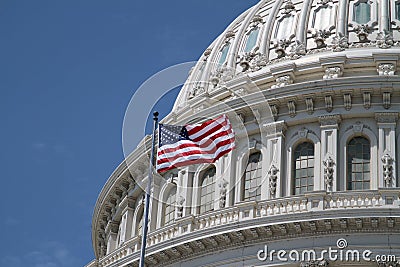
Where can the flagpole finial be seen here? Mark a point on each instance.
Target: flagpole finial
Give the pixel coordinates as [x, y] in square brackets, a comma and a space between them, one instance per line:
[155, 114]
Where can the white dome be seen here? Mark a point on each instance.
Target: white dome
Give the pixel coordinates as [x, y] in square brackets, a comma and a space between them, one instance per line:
[300, 32]
[312, 92]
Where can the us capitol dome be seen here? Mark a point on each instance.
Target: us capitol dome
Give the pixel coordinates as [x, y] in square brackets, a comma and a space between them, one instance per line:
[312, 90]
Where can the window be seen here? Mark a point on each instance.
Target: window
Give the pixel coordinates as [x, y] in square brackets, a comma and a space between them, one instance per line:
[284, 28]
[224, 54]
[397, 10]
[207, 190]
[323, 18]
[362, 12]
[303, 168]
[252, 178]
[170, 202]
[358, 163]
[251, 40]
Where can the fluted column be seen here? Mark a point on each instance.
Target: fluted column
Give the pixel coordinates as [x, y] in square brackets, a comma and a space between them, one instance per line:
[273, 164]
[111, 236]
[127, 206]
[329, 151]
[387, 148]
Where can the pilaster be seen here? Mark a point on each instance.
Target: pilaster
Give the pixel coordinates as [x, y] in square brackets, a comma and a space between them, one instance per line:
[387, 148]
[273, 163]
[329, 125]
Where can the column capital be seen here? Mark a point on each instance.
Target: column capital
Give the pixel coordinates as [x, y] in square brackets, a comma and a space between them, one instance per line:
[386, 117]
[331, 120]
[112, 227]
[275, 128]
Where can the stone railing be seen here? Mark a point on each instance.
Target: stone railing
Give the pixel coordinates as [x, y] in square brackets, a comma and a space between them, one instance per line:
[251, 211]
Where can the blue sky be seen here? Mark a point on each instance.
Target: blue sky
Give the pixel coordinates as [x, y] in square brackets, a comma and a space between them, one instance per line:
[68, 69]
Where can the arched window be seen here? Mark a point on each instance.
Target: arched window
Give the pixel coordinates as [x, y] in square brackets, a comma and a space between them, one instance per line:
[358, 163]
[397, 9]
[251, 39]
[362, 12]
[224, 53]
[207, 190]
[303, 168]
[170, 202]
[252, 178]
[283, 30]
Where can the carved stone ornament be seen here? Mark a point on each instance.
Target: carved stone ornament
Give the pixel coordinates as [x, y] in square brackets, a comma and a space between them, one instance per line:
[245, 59]
[386, 69]
[329, 169]
[333, 72]
[389, 264]
[358, 127]
[274, 111]
[297, 50]
[363, 30]
[384, 39]
[280, 46]
[328, 103]
[386, 117]
[367, 100]
[303, 133]
[195, 91]
[386, 100]
[315, 263]
[347, 101]
[282, 81]
[222, 193]
[288, 7]
[221, 75]
[180, 202]
[320, 36]
[258, 62]
[339, 42]
[387, 164]
[292, 108]
[310, 105]
[330, 120]
[273, 177]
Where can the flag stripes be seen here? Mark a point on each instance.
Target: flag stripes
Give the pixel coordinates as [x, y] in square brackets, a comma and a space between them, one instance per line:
[194, 144]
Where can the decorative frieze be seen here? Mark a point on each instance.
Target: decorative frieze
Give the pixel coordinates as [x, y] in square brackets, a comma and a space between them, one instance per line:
[330, 120]
[386, 69]
[333, 72]
[282, 81]
[387, 117]
[276, 128]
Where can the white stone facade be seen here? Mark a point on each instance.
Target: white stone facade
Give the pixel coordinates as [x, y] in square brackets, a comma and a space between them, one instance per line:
[328, 80]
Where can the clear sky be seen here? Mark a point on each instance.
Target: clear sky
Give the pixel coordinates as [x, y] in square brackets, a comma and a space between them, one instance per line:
[68, 69]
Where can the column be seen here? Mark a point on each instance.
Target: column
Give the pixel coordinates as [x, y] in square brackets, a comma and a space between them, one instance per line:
[273, 163]
[386, 149]
[111, 235]
[329, 152]
[127, 205]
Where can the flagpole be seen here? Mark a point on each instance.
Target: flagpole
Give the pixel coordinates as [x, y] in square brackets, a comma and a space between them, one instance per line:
[148, 191]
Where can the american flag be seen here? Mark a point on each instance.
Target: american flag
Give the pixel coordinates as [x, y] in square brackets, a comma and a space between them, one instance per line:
[192, 144]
